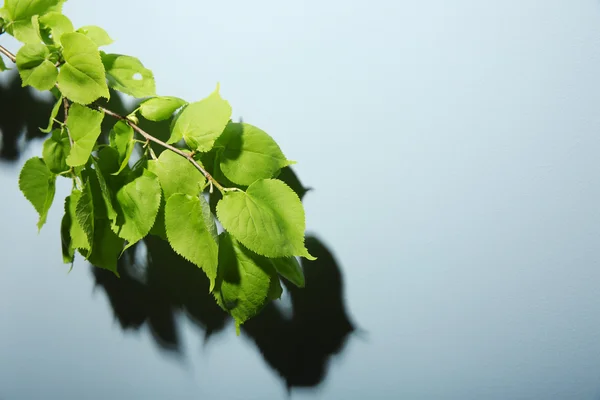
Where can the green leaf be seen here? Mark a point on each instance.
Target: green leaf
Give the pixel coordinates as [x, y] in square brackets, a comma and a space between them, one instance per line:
[160, 108]
[209, 219]
[24, 31]
[38, 184]
[190, 235]
[44, 34]
[68, 251]
[25, 9]
[202, 122]
[82, 78]
[268, 219]
[57, 24]
[128, 75]
[58, 7]
[290, 269]
[53, 115]
[176, 175]
[249, 154]
[275, 289]
[121, 139]
[34, 67]
[78, 237]
[137, 205]
[107, 247]
[19, 13]
[55, 152]
[158, 229]
[108, 161]
[2, 65]
[106, 192]
[97, 34]
[176, 116]
[84, 212]
[84, 125]
[244, 280]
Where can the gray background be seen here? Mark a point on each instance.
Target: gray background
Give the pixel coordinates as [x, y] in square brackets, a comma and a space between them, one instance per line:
[453, 151]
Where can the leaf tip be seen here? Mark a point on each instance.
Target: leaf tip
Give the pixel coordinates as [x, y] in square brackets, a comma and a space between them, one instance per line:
[307, 255]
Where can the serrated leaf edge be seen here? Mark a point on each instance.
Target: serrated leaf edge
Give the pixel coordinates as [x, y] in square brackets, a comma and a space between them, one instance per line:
[211, 280]
[304, 254]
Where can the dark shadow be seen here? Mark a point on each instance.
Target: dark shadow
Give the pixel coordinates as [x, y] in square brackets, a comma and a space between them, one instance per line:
[21, 115]
[298, 348]
[23, 111]
[157, 286]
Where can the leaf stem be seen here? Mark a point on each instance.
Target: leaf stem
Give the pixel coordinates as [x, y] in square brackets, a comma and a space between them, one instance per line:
[8, 54]
[175, 150]
[139, 130]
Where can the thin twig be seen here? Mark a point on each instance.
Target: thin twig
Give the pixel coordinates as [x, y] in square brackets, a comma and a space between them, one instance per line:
[166, 146]
[8, 54]
[139, 130]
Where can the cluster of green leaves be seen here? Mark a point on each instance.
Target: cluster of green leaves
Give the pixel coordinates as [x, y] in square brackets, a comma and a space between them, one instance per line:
[115, 202]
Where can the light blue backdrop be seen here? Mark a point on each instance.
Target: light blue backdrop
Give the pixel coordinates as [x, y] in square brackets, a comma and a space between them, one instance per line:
[453, 148]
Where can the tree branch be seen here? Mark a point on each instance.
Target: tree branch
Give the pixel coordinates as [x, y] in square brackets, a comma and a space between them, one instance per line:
[139, 130]
[175, 150]
[8, 54]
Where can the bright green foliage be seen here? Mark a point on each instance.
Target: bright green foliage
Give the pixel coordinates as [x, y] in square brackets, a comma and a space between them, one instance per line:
[84, 212]
[243, 279]
[56, 150]
[128, 75]
[108, 161]
[3, 66]
[209, 219]
[201, 123]
[177, 175]
[79, 237]
[275, 289]
[160, 108]
[35, 68]
[53, 115]
[268, 218]
[68, 251]
[113, 205]
[56, 24]
[18, 15]
[84, 126]
[82, 77]
[159, 229]
[38, 184]
[189, 233]
[249, 154]
[107, 247]
[290, 269]
[137, 205]
[97, 34]
[107, 195]
[121, 139]
[25, 9]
